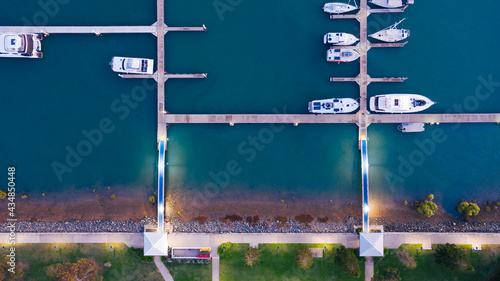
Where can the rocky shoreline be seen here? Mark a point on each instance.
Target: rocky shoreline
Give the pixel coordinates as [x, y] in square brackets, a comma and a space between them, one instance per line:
[263, 226]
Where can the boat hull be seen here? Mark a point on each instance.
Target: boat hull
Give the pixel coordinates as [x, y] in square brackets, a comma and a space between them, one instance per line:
[339, 39]
[342, 55]
[338, 8]
[21, 45]
[391, 4]
[404, 103]
[132, 65]
[333, 106]
[391, 35]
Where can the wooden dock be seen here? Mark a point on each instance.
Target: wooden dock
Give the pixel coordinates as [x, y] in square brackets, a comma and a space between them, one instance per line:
[364, 120]
[388, 45]
[153, 29]
[369, 79]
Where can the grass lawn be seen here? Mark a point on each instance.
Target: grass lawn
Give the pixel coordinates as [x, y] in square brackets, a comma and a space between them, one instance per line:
[485, 263]
[125, 265]
[282, 266]
[190, 271]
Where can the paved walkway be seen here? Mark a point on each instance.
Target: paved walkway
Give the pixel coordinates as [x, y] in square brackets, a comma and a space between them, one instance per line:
[369, 270]
[163, 269]
[215, 268]
[393, 240]
[135, 240]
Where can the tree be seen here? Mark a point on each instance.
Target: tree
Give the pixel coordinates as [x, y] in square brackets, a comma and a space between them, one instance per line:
[406, 258]
[2, 194]
[347, 261]
[83, 270]
[452, 257]
[427, 208]
[388, 274]
[468, 209]
[4, 270]
[430, 196]
[252, 256]
[304, 257]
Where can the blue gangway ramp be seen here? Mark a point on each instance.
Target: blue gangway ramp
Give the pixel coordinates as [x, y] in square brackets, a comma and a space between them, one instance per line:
[161, 190]
[364, 182]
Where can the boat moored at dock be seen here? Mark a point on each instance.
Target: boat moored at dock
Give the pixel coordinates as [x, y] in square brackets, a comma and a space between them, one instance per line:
[333, 106]
[391, 3]
[21, 45]
[338, 8]
[399, 103]
[132, 65]
[339, 39]
[342, 55]
[391, 33]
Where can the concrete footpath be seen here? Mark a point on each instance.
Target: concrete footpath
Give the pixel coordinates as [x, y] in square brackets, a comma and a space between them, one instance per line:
[135, 240]
[163, 269]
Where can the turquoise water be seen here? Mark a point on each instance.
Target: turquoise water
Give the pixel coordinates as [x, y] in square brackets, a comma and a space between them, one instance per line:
[263, 56]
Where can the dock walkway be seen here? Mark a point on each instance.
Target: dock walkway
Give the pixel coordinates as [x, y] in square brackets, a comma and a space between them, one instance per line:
[328, 118]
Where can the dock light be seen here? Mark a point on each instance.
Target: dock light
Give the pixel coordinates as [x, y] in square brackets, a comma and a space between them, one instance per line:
[366, 209]
[295, 124]
[231, 124]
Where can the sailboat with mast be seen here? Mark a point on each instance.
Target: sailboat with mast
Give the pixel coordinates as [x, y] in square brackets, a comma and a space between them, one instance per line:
[339, 8]
[391, 33]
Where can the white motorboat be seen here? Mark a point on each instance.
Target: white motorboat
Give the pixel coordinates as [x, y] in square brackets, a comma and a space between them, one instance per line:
[21, 45]
[391, 33]
[399, 103]
[341, 55]
[132, 65]
[339, 39]
[333, 106]
[338, 8]
[391, 3]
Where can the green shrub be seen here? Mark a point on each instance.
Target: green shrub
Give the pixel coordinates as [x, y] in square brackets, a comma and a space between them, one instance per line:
[452, 257]
[347, 261]
[468, 209]
[140, 253]
[427, 208]
[388, 274]
[226, 245]
[430, 196]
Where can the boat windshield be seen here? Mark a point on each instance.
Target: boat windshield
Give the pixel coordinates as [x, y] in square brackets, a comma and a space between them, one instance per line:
[132, 64]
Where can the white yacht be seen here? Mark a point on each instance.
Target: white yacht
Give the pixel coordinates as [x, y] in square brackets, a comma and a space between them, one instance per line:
[399, 103]
[391, 3]
[339, 39]
[132, 65]
[342, 55]
[338, 8]
[391, 33]
[21, 45]
[334, 105]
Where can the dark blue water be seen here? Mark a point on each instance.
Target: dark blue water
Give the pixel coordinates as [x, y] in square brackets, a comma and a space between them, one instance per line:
[260, 57]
